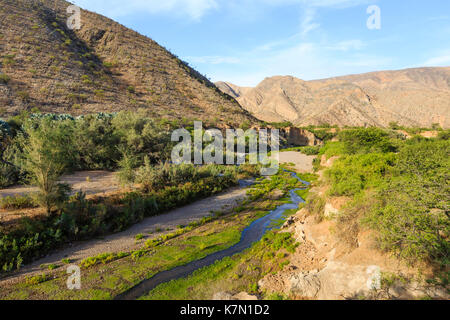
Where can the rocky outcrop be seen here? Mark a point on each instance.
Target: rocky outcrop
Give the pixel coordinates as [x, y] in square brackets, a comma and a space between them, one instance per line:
[300, 137]
[324, 268]
[336, 281]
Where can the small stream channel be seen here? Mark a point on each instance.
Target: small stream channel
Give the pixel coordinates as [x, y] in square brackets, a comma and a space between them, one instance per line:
[250, 235]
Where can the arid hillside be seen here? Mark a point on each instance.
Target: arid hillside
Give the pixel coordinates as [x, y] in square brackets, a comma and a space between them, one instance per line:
[412, 97]
[104, 66]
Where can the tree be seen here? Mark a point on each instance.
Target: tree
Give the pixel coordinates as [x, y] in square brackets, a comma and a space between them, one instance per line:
[7, 169]
[5, 137]
[47, 153]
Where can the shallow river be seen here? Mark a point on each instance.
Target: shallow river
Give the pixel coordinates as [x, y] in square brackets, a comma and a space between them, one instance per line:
[250, 235]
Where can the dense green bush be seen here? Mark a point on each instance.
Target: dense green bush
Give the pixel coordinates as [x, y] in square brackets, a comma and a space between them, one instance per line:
[353, 174]
[311, 151]
[8, 173]
[403, 196]
[47, 153]
[17, 202]
[82, 219]
[411, 214]
[162, 175]
[323, 134]
[332, 148]
[4, 79]
[92, 142]
[365, 140]
[96, 142]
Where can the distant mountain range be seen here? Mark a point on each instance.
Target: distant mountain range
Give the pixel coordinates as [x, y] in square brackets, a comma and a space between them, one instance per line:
[411, 97]
[104, 66]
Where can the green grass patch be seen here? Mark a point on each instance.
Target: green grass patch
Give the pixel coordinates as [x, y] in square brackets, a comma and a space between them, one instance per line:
[238, 273]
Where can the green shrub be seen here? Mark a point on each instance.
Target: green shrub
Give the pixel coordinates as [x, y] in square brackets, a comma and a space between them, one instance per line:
[332, 148]
[411, 214]
[350, 175]
[444, 135]
[23, 95]
[139, 236]
[365, 140]
[37, 279]
[102, 258]
[311, 151]
[17, 202]
[86, 79]
[315, 205]
[4, 78]
[96, 143]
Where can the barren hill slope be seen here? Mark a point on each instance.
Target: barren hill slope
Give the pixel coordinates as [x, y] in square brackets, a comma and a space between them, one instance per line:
[102, 67]
[412, 97]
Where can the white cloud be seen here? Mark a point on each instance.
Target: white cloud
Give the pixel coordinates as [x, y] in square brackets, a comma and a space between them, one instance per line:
[334, 3]
[308, 24]
[347, 45]
[305, 60]
[441, 60]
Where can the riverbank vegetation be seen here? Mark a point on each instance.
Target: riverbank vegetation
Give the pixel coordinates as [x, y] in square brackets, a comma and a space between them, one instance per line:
[38, 149]
[188, 243]
[239, 273]
[398, 187]
[80, 218]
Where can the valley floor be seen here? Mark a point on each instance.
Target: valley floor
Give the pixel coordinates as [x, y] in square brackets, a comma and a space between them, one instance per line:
[152, 227]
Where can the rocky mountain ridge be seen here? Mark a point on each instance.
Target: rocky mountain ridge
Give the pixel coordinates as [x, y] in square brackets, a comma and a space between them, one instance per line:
[103, 66]
[411, 97]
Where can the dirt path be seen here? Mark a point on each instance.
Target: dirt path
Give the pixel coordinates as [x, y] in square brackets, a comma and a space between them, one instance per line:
[90, 182]
[126, 240]
[303, 163]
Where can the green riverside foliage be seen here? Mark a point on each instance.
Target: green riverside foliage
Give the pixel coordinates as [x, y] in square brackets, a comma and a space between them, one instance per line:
[352, 174]
[17, 202]
[83, 219]
[93, 142]
[365, 140]
[238, 273]
[411, 214]
[45, 146]
[402, 195]
[46, 154]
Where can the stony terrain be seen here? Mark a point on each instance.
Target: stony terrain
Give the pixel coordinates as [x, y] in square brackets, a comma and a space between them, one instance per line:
[412, 97]
[104, 66]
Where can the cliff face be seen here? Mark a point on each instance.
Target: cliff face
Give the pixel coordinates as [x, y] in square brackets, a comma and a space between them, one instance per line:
[300, 137]
[412, 97]
[104, 66]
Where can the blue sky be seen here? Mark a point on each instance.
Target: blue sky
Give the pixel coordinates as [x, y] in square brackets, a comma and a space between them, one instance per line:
[244, 41]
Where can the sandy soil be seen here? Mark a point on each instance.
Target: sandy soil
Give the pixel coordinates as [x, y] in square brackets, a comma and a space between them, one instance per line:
[303, 163]
[93, 183]
[125, 241]
[90, 182]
